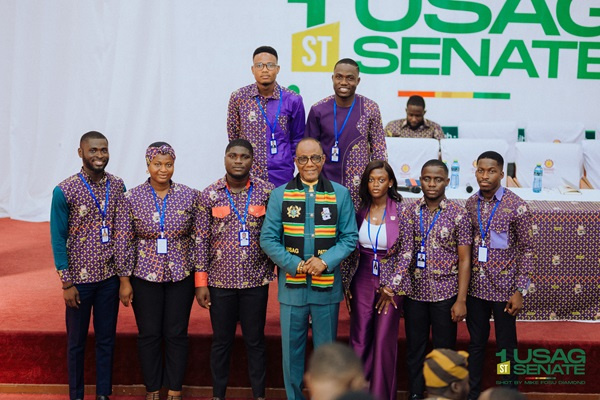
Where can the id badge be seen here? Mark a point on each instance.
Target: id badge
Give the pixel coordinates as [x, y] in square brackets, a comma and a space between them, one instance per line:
[421, 258]
[104, 234]
[335, 154]
[244, 238]
[482, 254]
[273, 146]
[376, 267]
[161, 246]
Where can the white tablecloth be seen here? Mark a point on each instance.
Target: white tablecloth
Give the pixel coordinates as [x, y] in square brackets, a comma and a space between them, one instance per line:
[524, 193]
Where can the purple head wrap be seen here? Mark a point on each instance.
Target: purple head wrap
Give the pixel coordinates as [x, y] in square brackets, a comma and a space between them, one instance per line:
[152, 152]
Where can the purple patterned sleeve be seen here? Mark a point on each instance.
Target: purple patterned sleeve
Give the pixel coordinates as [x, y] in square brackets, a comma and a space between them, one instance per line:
[397, 278]
[376, 135]
[203, 232]
[465, 229]
[298, 124]
[124, 238]
[526, 247]
[233, 117]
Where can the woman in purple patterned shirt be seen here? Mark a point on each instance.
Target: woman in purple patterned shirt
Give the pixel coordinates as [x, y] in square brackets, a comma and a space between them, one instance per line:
[376, 281]
[160, 283]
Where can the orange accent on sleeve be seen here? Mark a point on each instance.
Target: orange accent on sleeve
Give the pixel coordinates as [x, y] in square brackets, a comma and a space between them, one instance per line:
[201, 279]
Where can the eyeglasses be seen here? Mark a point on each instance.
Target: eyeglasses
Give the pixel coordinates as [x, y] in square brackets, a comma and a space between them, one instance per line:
[315, 158]
[270, 66]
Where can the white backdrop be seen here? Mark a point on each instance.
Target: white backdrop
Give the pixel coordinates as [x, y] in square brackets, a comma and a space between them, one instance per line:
[140, 71]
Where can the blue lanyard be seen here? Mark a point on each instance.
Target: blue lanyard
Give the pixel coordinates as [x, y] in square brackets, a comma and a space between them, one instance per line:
[424, 235]
[241, 218]
[369, 231]
[269, 124]
[335, 131]
[102, 212]
[160, 211]
[484, 233]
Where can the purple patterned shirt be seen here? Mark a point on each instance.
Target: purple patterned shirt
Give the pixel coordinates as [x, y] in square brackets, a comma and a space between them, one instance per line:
[89, 260]
[361, 141]
[439, 279]
[229, 265]
[400, 128]
[180, 230]
[510, 246]
[245, 120]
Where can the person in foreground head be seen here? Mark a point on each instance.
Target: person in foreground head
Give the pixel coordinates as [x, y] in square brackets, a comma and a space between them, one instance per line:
[501, 393]
[375, 277]
[439, 273]
[349, 127]
[415, 125]
[309, 229]
[159, 283]
[334, 370]
[86, 216]
[502, 266]
[446, 374]
[269, 116]
[233, 272]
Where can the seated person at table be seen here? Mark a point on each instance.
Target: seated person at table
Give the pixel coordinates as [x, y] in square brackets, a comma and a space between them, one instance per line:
[414, 125]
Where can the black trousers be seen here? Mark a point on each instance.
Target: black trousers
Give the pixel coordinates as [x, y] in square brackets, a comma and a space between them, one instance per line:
[228, 306]
[102, 300]
[478, 322]
[419, 318]
[162, 314]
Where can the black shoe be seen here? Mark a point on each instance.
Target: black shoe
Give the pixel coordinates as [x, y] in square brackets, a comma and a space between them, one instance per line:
[102, 398]
[414, 396]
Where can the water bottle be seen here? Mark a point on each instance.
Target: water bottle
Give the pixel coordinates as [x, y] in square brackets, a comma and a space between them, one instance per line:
[454, 176]
[537, 178]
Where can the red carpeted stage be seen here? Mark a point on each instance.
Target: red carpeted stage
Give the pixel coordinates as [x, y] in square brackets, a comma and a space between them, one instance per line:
[33, 344]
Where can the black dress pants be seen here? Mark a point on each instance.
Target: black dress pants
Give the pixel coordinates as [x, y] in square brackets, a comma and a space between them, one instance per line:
[162, 314]
[419, 318]
[228, 306]
[478, 322]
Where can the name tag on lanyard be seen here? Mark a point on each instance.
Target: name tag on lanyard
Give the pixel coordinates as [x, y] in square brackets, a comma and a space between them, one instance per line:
[161, 245]
[335, 154]
[104, 234]
[104, 230]
[161, 242]
[482, 254]
[271, 125]
[273, 145]
[376, 267]
[244, 238]
[244, 234]
[482, 251]
[422, 255]
[335, 150]
[421, 259]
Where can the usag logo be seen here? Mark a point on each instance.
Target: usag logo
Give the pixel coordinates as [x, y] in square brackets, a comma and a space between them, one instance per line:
[503, 368]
